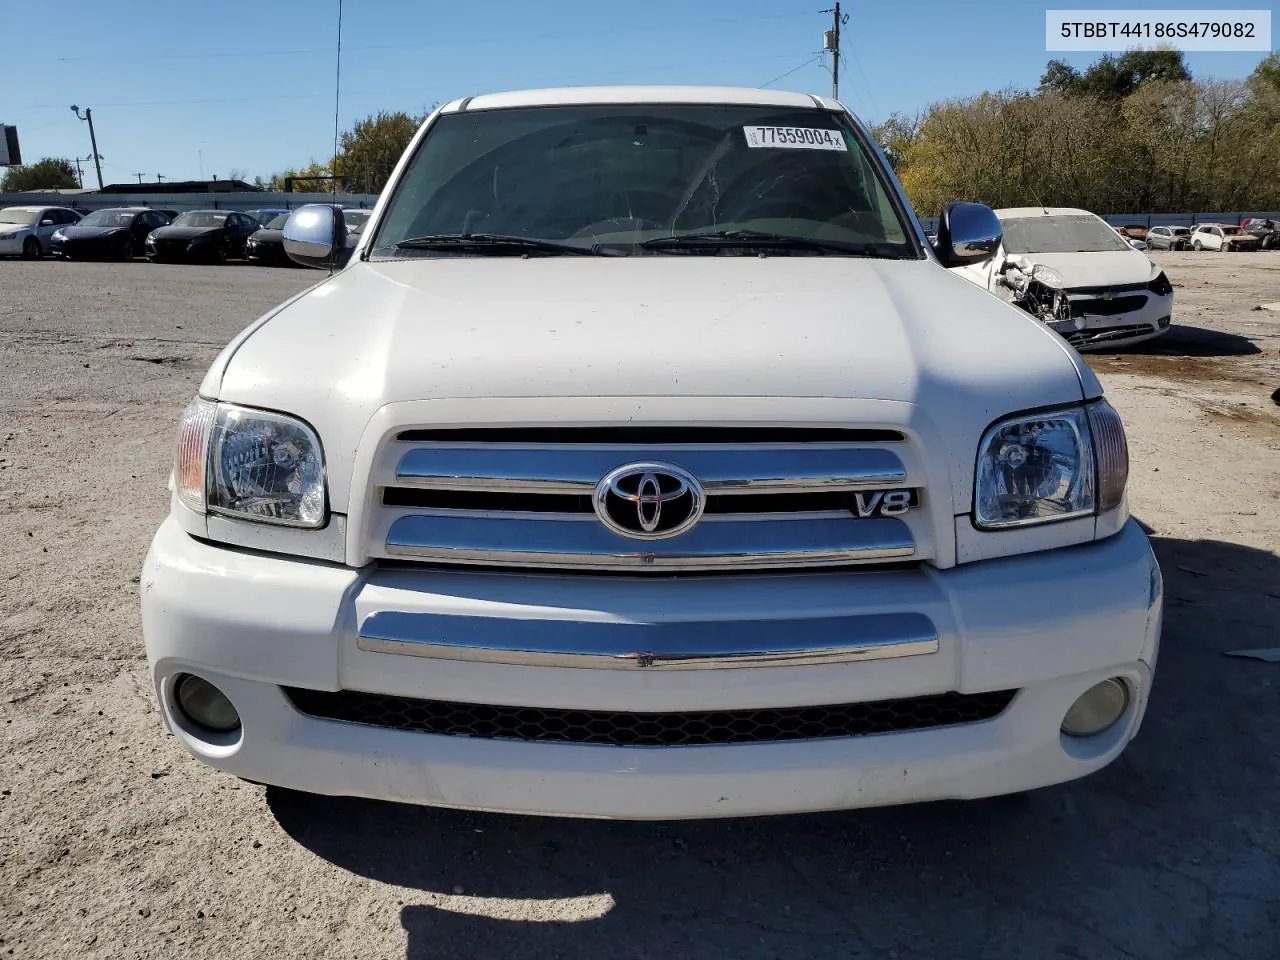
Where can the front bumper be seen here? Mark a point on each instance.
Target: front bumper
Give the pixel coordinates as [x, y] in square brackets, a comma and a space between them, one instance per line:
[1049, 625]
[11, 244]
[1091, 331]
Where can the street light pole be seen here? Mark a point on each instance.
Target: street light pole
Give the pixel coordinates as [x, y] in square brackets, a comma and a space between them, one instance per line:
[93, 140]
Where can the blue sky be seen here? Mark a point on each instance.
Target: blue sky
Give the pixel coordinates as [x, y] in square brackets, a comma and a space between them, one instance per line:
[181, 87]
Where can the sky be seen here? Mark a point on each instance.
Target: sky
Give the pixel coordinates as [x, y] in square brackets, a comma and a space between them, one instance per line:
[192, 88]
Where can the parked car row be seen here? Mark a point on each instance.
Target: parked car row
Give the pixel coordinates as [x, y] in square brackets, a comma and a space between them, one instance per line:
[1255, 233]
[122, 233]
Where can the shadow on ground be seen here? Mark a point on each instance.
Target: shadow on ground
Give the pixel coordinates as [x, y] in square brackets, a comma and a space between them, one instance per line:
[1184, 341]
[1173, 851]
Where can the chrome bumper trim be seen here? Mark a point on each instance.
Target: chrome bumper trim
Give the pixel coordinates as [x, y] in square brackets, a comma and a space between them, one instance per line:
[572, 542]
[703, 645]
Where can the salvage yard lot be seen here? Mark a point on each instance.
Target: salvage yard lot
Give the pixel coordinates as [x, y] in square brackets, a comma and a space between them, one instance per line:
[114, 844]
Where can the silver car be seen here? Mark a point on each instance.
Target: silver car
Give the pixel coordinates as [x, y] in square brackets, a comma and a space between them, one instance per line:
[26, 231]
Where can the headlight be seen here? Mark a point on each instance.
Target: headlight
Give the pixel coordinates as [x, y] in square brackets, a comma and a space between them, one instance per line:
[250, 464]
[58, 235]
[1038, 468]
[1160, 286]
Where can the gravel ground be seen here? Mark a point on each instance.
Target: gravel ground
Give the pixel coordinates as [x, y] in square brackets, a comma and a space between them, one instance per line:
[114, 844]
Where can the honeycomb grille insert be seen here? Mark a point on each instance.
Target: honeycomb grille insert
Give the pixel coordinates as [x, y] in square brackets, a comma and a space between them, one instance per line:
[697, 728]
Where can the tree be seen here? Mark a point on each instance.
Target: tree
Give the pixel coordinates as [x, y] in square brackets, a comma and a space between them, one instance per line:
[301, 181]
[895, 136]
[51, 173]
[1266, 75]
[1059, 77]
[372, 147]
[1114, 78]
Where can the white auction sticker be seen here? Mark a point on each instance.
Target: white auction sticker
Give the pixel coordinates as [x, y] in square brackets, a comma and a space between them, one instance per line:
[1120, 30]
[794, 138]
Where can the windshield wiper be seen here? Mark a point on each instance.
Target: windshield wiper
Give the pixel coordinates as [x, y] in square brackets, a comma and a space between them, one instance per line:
[760, 239]
[492, 243]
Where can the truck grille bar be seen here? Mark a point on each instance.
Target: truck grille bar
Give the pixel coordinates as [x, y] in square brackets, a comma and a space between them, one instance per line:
[786, 501]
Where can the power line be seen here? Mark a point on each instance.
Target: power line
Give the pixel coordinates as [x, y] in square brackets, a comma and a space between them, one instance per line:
[858, 64]
[782, 76]
[521, 38]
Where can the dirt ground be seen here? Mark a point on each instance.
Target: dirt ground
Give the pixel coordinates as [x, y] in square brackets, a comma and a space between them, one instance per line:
[114, 844]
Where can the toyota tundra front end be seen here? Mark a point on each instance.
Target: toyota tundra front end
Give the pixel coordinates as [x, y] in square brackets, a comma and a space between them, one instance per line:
[646, 461]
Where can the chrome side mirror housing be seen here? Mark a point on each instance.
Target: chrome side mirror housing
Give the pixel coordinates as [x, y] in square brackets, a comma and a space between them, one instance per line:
[314, 234]
[967, 233]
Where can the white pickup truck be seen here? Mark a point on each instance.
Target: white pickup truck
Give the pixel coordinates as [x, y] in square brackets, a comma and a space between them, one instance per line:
[646, 461]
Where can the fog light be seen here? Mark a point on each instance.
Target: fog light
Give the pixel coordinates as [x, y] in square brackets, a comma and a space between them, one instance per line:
[1097, 709]
[204, 704]
[1164, 322]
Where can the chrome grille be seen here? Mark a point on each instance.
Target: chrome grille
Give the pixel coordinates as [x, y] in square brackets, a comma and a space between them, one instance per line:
[774, 499]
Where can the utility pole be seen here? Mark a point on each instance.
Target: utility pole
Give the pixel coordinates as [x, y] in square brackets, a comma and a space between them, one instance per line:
[159, 178]
[139, 176]
[79, 172]
[93, 140]
[831, 41]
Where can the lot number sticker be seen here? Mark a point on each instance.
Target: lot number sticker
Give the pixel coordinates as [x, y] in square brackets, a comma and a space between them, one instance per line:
[794, 138]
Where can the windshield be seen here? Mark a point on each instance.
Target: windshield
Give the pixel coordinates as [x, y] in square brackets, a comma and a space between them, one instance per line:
[278, 222]
[1067, 233]
[612, 177]
[200, 219]
[108, 218]
[14, 215]
[1179, 231]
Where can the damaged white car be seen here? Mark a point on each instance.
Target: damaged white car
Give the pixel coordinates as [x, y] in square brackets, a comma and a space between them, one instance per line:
[1072, 270]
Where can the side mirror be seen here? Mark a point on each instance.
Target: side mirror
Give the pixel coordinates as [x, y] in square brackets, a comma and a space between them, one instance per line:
[314, 234]
[46, 222]
[967, 233]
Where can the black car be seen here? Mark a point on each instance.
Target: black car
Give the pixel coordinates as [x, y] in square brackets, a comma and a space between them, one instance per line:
[1265, 229]
[265, 215]
[211, 236]
[116, 233]
[266, 246]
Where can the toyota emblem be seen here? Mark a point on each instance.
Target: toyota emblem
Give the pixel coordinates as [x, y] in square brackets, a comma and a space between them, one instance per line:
[649, 501]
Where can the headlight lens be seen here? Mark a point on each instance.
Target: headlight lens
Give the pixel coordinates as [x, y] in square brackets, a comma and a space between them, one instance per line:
[1038, 468]
[1160, 286]
[250, 464]
[1035, 469]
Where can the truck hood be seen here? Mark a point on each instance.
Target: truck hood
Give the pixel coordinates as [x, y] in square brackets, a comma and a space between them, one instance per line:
[945, 357]
[1104, 268]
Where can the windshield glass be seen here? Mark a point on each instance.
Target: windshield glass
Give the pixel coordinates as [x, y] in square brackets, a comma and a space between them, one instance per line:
[1068, 233]
[14, 215]
[108, 218]
[200, 219]
[277, 223]
[1179, 231]
[615, 176]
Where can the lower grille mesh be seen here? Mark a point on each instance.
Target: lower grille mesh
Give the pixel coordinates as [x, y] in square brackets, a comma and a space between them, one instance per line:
[649, 729]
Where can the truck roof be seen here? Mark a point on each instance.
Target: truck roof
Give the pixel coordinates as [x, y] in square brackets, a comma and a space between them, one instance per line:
[564, 96]
[1018, 213]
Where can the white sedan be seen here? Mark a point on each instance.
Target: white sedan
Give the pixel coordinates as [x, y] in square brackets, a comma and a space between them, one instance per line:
[27, 231]
[1073, 271]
